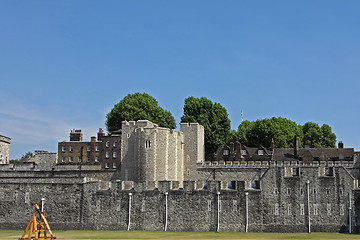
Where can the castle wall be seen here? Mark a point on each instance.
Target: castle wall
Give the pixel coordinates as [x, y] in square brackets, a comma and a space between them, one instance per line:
[277, 203]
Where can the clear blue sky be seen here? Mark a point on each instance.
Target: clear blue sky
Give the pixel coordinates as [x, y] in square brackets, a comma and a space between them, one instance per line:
[64, 64]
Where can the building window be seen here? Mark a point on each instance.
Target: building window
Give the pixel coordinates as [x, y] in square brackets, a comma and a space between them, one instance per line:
[97, 148]
[315, 209]
[276, 210]
[71, 149]
[302, 209]
[115, 144]
[147, 144]
[88, 159]
[1, 156]
[79, 159]
[143, 206]
[341, 192]
[314, 192]
[342, 210]
[220, 206]
[114, 165]
[301, 192]
[235, 208]
[276, 191]
[128, 135]
[288, 191]
[327, 191]
[328, 209]
[107, 144]
[63, 159]
[226, 152]
[106, 165]
[260, 152]
[107, 154]
[243, 152]
[88, 148]
[63, 149]
[209, 205]
[114, 154]
[71, 159]
[289, 208]
[295, 172]
[96, 159]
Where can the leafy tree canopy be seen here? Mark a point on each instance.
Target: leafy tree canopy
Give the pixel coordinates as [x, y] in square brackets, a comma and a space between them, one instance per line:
[283, 131]
[213, 117]
[138, 106]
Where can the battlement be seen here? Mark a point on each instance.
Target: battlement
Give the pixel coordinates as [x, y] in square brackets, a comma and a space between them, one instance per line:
[5, 139]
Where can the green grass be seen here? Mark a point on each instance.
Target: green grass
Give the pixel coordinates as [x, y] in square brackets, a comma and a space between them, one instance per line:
[88, 235]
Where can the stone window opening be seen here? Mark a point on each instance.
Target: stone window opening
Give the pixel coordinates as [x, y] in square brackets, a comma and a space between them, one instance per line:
[128, 135]
[276, 191]
[342, 210]
[243, 152]
[289, 208]
[288, 191]
[276, 209]
[147, 144]
[143, 209]
[295, 172]
[226, 152]
[328, 209]
[329, 171]
[260, 152]
[315, 206]
[327, 191]
[302, 209]
[209, 205]
[301, 192]
[235, 208]
[341, 192]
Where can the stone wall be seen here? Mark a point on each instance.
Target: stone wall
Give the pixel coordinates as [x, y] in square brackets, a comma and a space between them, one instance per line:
[275, 203]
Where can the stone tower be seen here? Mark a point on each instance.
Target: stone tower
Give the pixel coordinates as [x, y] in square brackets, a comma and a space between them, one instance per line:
[194, 148]
[4, 149]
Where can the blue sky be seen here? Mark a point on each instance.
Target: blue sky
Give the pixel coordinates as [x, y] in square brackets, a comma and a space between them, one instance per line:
[64, 64]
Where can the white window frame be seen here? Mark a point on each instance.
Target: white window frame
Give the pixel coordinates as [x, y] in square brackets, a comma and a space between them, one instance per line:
[106, 165]
[226, 152]
[71, 149]
[114, 165]
[97, 148]
[63, 159]
[114, 154]
[97, 159]
[63, 148]
[88, 148]
[87, 159]
[107, 144]
[260, 152]
[115, 144]
[107, 154]
[71, 159]
[243, 152]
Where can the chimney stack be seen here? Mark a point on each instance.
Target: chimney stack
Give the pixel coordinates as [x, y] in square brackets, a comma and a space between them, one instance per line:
[296, 147]
[76, 135]
[100, 134]
[340, 144]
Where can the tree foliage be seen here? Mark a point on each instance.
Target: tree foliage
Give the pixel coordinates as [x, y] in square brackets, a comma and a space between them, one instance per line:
[283, 131]
[213, 117]
[138, 106]
[263, 131]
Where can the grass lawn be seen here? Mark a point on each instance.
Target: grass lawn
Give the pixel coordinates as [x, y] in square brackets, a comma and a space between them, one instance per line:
[74, 234]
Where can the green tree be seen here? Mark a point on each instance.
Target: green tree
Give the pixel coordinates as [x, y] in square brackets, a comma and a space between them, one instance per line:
[263, 131]
[312, 134]
[213, 117]
[138, 106]
[328, 137]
